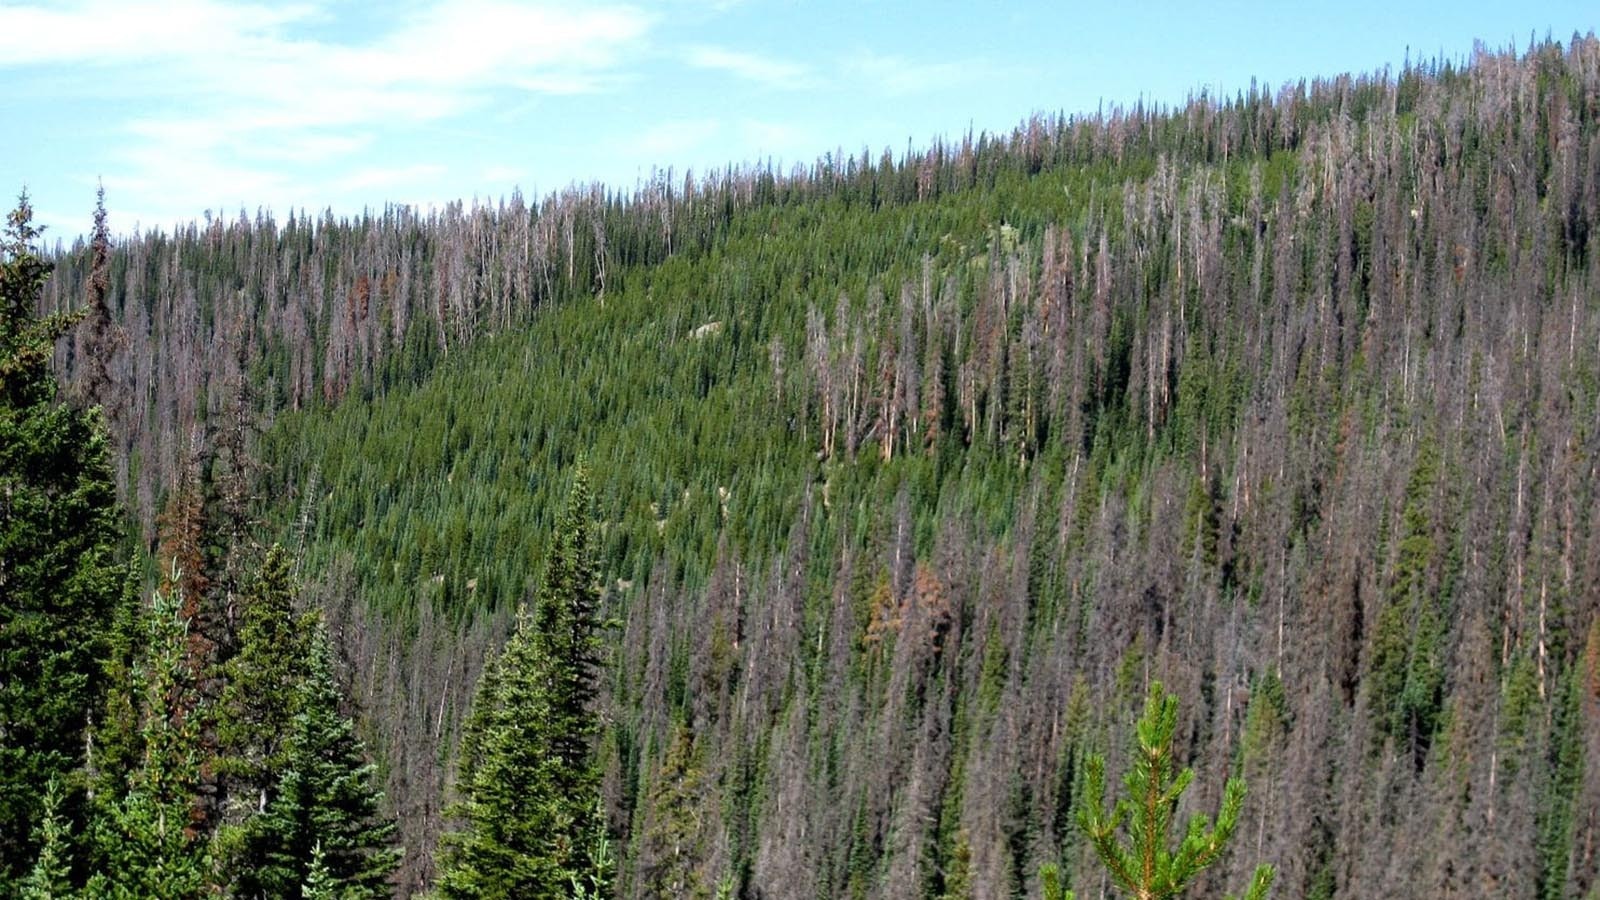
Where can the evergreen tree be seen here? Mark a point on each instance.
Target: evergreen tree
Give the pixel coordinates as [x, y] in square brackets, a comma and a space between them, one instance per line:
[670, 857]
[115, 744]
[98, 337]
[512, 844]
[1146, 868]
[568, 620]
[325, 813]
[145, 840]
[59, 579]
[1407, 671]
[530, 786]
[594, 882]
[260, 694]
[50, 877]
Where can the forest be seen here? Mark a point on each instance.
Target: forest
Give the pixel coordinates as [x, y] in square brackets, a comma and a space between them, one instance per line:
[830, 529]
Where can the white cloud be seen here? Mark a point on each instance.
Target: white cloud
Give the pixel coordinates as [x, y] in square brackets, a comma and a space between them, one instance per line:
[314, 147]
[503, 175]
[159, 190]
[749, 66]
[389, 176]
[673, 140]
[256, 103]
[109, 32]
[899, 76]
[777, 139]
[478, 40]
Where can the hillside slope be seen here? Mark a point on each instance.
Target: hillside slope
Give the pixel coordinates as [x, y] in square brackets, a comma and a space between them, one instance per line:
[913, 473]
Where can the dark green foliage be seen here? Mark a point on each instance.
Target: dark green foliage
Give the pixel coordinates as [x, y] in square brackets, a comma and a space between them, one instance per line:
[529, 781]
[1558, 812]
[323, 822]
[1408, 666]
[144, 842]
[117, 745]
[567, 628]
[517, 840]
[262, 684]
[59, 578]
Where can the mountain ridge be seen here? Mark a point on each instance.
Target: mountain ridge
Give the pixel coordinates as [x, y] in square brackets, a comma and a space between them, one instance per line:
[1286, 400]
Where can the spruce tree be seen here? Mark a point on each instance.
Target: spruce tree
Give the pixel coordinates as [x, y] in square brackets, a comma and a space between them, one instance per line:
[324, 811]
[533, 824]
[672, 846]
[568, 620]
[1145, 867]
[261, 688]
[59, 578]
[145, 842]
[594, 882]
[512, 843]
[50, 877]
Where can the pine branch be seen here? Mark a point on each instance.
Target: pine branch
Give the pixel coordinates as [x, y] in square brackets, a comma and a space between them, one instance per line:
[1146, 868]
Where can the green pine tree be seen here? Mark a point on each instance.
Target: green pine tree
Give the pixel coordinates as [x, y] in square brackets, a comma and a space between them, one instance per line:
[670, 857]
[59, 577]
[1407, 658]
[324, 807]
[145, 840]
[529, 783]
[515, 842]
[256, 709]
[568, 620]
[1146, 868]
[115, 744]
[595, 882]
[50, 878]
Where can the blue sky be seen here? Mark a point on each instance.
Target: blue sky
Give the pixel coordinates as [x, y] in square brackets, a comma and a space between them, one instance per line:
[184, 106]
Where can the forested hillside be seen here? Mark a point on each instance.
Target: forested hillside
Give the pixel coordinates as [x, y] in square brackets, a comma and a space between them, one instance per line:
[911, 472]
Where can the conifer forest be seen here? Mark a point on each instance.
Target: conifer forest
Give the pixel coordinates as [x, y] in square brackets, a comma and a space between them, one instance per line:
[1189, 500]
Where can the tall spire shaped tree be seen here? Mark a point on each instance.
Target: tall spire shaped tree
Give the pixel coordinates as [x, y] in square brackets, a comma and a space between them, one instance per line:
[529, 783]
[324, 814]
[59, 579]
[145, 840]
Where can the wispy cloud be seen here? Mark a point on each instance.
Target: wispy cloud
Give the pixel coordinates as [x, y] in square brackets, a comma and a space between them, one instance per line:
[675, 139]
[749, 66]
[253, 93]
[777, 139]
[389, 176]
[217, 104]
[898, 76]
[103, 32]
